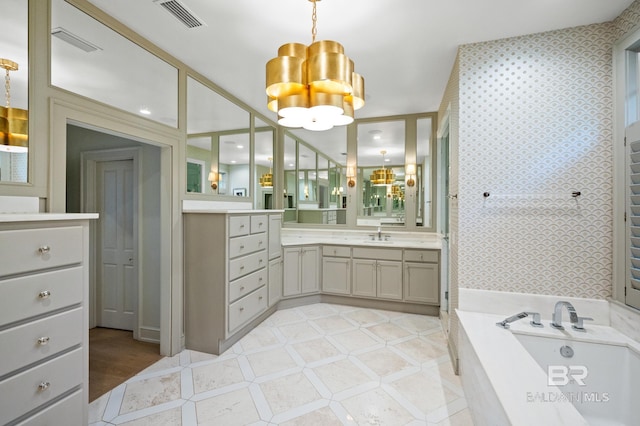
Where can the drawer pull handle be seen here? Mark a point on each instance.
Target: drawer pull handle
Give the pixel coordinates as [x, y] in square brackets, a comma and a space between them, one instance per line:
[260, 260]
[260, 298]
[241, 288]
[242, 267]
[44, 249]
[44, 386]
[260, 279]
[242, 226]
[44, 294]
[260, 224]
[241, 308]
[43, 340]
[260, 242]
[241, 247]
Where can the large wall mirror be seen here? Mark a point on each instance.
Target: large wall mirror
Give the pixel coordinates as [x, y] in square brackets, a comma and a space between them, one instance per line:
[381, 173]
[14, 57]
[314, 182]
[263, 163]
[218, 143]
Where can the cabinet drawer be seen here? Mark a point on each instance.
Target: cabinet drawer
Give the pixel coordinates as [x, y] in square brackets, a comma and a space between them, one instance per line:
[24, 297]
[22, 393]
[247, 264]
[67, 411]
[421, 255]
[238, 225]
[259, 223]
[247, 308]
[26, 250]
[336, 251]
[377, 253]
[245, 285]
[31, 342]
[240, 246]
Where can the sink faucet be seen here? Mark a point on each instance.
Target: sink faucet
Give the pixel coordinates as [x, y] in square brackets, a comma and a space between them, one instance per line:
[556, 318]
[379, 232]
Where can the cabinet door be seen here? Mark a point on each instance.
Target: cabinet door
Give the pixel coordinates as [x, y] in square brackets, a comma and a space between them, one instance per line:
[421, 282]
[275, 223]
[291, 274]
[275, 281]
[390, 279]
[364, 277]
[310, 269]
[336, 275]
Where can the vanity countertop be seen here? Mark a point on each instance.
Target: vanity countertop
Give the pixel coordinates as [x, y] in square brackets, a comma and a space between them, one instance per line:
[297, 236]
[34, 217]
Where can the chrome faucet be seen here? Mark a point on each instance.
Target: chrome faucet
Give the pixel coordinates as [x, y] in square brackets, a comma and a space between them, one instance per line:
[379, 233]
[535, 322]
[556, 318]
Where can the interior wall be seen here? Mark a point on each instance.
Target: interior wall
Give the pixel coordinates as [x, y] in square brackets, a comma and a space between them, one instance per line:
[536, 125]
[80, 140]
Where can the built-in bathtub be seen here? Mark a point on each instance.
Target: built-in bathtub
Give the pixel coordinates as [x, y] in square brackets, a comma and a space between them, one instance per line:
[601, 379]
[505, 373]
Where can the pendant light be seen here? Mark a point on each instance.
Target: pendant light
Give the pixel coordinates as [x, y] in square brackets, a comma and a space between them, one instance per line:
[382, 176]
[315, 86]
[14, 122]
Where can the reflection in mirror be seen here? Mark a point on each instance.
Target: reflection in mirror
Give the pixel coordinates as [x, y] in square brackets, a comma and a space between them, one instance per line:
[381, 158]
[320, 155]
[198, 165]
[84, 51]
[423, 173]
[290, 181]
[14, 54]
[233, 164]
[218, 134]
[263, 155]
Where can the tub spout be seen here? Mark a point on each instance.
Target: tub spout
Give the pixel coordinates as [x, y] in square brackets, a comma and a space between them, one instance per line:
[556, 318]
[534, 322]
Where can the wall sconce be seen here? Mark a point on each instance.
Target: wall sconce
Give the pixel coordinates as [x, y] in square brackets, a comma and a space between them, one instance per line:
[351, 174]
[213, 178]
[411, 174]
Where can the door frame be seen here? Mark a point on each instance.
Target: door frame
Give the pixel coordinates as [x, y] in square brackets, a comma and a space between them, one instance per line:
[443, 213]
[172, 159]
[88, 190]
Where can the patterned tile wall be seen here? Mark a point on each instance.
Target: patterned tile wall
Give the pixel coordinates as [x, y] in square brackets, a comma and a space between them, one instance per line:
[536, 125]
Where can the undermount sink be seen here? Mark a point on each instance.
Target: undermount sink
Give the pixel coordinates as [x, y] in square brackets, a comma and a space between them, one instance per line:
[370, 241]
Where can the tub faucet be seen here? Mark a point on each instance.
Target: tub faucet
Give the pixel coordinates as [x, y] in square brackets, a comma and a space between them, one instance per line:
[535, 322]
[556, 318]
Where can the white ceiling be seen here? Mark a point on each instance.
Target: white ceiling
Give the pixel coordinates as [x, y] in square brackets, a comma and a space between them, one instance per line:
[404, 49]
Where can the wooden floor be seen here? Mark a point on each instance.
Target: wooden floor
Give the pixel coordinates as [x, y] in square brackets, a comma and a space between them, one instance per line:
[114, 357]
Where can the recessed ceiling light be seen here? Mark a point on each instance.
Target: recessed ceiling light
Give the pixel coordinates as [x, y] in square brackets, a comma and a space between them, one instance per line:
[290, 165]
[386, 160]
[233, 161]
[240, 146]
[145, 111]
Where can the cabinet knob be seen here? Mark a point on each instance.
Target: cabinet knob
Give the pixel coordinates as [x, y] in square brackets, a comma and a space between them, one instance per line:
[260, 298]
[44, 294]
[241, 288]
[43, 340]
[260, 224]
[260, 260]
[44, 249]
[241, 308]
[44, 386]
[242, 267]
[241, 247]
[260, 279]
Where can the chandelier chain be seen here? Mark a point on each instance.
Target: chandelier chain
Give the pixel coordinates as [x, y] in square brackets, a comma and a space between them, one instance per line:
[314, 19]
[7, 87]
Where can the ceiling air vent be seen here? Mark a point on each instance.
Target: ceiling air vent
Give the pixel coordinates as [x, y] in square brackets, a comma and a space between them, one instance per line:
[74, 40]
[181, 13]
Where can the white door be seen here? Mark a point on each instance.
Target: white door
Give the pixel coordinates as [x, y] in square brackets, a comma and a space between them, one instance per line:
[117, 272]
[632, 285]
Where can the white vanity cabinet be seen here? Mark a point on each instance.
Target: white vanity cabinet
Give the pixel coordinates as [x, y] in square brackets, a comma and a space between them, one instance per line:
[336, 269]
[377, 273]
[44, 324]
[227, 273]
[301, 270]
[422, 276]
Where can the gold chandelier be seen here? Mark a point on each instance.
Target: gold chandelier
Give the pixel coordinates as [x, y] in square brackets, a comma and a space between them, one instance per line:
[14, 122]
[313, 87]
[266, 180]
[382, 176]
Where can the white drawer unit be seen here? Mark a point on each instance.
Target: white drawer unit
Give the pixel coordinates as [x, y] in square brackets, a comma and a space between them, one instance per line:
[44, 322]
[259, 223]
[25, 250]
[247, 308]
[240, 246]
[229, 289]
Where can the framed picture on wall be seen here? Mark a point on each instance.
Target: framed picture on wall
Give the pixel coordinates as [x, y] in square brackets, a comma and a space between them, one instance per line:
[240, 192]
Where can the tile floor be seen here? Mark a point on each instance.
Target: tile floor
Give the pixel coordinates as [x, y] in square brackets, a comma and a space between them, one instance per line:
[318, 364]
